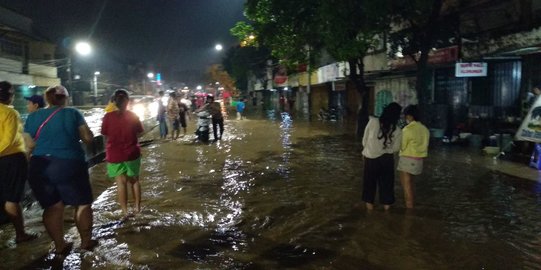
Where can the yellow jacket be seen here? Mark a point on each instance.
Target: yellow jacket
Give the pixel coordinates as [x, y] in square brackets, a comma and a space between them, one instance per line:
[415, 137]
[11, 132]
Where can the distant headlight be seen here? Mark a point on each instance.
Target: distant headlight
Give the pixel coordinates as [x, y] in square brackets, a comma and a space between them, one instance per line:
[139, 110]
[153, 107]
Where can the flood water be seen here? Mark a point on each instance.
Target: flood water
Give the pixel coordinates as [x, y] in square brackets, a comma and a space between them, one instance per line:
[285, 194]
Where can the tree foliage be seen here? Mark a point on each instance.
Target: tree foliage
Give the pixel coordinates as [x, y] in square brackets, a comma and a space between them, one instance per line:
[297, 31]
[347, 29]
[288, 28]
[352, 28]
[216, 73]
[420, 26]
[243, 62]
[245, 33]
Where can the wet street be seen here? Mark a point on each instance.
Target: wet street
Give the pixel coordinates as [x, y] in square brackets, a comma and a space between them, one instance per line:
[285, 194]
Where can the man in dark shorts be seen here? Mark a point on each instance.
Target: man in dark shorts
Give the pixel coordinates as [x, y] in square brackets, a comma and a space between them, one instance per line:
[183, 113]
[215, 110]
[13, 163]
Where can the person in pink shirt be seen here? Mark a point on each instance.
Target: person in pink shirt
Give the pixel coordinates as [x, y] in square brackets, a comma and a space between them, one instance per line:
[123, 153]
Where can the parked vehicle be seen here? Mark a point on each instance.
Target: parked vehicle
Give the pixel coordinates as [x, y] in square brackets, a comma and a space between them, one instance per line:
[143, 106]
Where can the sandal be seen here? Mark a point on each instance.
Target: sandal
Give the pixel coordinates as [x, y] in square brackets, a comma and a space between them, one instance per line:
[27, 237]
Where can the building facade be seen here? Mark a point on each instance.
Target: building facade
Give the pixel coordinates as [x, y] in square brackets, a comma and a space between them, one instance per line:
[26, 59]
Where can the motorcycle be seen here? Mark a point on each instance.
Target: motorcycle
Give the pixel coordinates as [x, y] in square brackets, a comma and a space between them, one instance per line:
[203, 126]
[328, 115]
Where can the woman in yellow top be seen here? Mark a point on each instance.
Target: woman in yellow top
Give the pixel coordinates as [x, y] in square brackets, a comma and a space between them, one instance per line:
[13, 163]
[413, 150]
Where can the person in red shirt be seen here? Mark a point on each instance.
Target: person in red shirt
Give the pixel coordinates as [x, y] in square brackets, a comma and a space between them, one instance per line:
[123, 153]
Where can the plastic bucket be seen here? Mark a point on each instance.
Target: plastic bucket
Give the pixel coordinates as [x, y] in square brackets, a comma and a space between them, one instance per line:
[436, 133]
[476, 140]
[506, 140]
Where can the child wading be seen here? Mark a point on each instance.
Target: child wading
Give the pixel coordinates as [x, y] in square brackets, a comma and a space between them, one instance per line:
[123, 153]
[381, 139]
[413, 149]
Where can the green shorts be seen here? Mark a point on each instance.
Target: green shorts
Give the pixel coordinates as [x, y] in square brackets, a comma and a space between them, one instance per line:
[130, 168]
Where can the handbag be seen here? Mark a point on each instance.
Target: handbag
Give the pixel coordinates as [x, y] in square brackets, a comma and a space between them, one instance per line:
[45, 122]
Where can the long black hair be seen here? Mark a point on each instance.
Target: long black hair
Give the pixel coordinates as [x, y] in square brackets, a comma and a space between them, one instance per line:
[387, 123]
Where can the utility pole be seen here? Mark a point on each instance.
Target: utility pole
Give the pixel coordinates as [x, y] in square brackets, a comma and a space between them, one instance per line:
[96, 87]
[70, 82]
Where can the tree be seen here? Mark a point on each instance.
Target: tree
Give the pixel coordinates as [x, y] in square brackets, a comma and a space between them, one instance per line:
[248, 59]
[243, 62]
[216, 73]
[296, 31]
[421, 28]
[286, 27]
[350, 30]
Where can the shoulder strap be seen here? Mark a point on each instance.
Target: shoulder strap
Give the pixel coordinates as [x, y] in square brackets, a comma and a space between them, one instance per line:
[45, 122]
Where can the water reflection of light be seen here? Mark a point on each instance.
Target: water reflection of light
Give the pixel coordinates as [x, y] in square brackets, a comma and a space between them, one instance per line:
[285, 134]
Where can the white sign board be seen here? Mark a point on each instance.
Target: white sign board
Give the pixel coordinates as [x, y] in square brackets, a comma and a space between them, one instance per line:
[475, 69]
[530, 129]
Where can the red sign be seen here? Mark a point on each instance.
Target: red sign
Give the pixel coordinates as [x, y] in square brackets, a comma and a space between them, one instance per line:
[281, 76]
[435, 57]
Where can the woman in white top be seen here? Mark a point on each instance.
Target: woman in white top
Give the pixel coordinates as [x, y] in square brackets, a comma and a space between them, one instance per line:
[380, 141]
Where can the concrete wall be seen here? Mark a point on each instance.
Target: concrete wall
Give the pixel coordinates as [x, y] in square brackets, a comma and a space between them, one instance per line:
[39, 50]
[15, 20]
[42, 70]
[402, 89]
[11, 65]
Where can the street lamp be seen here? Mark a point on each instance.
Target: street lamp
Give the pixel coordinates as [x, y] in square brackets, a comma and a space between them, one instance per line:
[218, 47]
[150, 76]
[199, 87]
[83, 48]
[96, 73]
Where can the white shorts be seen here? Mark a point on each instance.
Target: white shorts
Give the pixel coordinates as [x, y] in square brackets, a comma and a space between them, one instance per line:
[410, 165]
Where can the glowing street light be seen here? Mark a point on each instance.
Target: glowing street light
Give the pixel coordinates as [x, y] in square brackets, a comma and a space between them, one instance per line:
[83, 48]
[218, 47]
[199, 87]
[150, 75]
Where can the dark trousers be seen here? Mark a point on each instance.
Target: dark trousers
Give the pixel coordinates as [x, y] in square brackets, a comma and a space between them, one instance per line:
[379, 174]
[215, 123]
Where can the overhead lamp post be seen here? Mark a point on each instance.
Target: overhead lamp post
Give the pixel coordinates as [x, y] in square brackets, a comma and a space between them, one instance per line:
[81, 48]
[150, 76]
[219, 47]
[96, 74]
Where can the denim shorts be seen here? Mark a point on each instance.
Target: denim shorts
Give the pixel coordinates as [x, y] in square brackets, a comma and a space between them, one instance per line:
[54, 179]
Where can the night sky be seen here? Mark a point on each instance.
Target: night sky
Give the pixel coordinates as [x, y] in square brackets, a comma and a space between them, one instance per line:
[170, 34]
